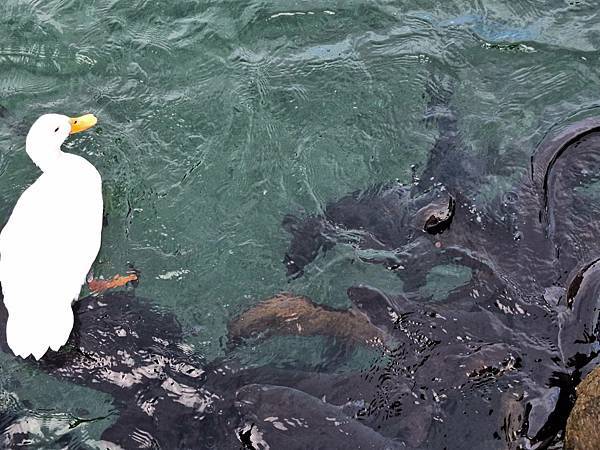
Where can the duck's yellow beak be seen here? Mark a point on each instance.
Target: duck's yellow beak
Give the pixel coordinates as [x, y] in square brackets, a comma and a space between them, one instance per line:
[82, 123]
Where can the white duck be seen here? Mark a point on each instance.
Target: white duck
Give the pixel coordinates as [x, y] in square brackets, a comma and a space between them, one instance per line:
[51, 239]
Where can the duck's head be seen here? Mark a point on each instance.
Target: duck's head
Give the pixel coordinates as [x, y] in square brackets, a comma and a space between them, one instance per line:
[48, 133]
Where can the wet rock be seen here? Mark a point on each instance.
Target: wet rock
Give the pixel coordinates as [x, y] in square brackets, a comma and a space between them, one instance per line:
[582, 427]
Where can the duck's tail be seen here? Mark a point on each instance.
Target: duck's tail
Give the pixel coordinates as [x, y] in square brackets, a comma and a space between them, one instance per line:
[32, 332]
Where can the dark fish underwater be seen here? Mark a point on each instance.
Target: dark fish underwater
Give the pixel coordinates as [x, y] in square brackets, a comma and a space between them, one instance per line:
[125, 347]
[493, 365]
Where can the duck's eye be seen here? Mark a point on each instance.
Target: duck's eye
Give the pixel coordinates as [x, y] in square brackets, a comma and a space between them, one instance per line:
[56, 131]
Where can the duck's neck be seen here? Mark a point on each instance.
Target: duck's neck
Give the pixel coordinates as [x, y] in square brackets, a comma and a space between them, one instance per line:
[45, 156]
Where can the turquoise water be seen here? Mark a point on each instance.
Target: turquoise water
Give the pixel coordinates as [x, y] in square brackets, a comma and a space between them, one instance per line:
[218, 118]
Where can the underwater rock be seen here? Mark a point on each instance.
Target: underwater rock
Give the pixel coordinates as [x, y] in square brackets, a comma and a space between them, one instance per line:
[582, 426]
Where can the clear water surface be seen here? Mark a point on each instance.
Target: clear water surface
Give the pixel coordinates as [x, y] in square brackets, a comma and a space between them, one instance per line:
[218, 118]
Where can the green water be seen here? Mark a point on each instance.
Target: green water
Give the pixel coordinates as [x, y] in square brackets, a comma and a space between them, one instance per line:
[218, 118]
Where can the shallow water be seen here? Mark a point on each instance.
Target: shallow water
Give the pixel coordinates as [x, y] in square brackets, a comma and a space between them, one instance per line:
[216, 119]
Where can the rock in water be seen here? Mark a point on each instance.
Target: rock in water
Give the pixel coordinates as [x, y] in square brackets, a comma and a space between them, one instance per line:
[582, 426]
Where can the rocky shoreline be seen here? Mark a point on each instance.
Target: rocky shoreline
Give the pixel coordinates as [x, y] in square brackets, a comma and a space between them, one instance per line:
[582, 426]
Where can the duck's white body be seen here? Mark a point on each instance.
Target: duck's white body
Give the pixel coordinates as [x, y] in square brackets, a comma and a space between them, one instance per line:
[47, 248]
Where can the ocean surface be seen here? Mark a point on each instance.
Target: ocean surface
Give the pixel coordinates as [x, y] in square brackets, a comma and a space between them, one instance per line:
[219, 118]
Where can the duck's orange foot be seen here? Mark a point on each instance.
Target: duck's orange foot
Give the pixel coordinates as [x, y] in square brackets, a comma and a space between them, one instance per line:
[98, 286]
